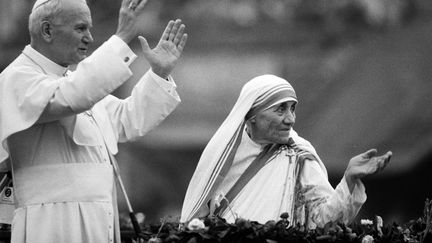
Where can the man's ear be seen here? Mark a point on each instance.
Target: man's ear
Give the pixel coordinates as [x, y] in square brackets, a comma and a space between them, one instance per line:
[46, 31]
[252, 120]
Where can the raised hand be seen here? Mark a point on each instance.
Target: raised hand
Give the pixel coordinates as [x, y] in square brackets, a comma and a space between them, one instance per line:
[165, 55]
[365, 164]
[128, 26]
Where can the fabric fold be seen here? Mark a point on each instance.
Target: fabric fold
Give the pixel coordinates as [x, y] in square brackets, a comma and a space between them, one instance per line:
[212, 158]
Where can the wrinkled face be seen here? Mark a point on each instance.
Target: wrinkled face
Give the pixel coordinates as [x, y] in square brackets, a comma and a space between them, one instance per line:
[71, 33]
[274, 124]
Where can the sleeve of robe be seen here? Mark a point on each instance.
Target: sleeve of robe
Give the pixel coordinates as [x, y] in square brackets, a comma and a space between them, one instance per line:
[327, 204]
[151, 101]
[26, 90]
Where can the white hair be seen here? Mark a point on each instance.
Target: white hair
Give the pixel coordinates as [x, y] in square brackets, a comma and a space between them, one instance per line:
[45, 11]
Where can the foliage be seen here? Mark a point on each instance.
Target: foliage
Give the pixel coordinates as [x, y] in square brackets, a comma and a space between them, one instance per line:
[216, 229]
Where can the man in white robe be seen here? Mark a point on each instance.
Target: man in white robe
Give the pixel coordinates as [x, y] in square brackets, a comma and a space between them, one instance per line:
[58, 128]
[256, 167]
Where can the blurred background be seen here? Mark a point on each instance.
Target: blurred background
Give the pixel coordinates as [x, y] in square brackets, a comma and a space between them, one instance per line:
[362, 70]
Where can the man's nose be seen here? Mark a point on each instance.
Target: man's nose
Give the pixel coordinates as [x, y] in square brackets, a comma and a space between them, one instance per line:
[88, 38]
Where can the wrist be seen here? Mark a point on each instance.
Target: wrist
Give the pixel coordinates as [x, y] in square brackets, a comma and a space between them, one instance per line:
[350, 176]
[350, 181]
[160, 73]
[124, 37]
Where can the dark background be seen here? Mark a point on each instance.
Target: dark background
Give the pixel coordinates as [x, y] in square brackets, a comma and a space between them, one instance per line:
[361, 70]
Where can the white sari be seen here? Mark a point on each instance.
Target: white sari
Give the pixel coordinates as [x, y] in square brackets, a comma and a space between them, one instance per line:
[299, 187]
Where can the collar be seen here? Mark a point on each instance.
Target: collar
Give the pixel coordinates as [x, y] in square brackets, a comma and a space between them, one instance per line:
[47, 66]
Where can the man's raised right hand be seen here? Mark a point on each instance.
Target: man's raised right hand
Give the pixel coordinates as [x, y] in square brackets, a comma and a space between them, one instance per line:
[128, 26]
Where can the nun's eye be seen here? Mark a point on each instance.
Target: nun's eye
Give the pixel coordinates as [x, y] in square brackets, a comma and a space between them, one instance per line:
[281, 109]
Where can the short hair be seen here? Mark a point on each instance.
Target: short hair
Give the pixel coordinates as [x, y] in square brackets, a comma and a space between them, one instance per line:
[47, 11]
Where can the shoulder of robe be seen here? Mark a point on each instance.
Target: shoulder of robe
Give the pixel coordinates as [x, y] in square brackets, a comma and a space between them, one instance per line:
[305, 155]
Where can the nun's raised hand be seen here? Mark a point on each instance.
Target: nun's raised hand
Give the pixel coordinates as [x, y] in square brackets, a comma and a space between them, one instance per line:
[165, 55]
[365, 164]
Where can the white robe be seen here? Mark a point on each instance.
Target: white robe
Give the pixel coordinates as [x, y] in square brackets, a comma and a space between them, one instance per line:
[272, 191]
[26, 87]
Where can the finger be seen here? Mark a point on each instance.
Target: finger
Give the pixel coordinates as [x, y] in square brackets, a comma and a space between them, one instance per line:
[389, 154]
[369, 154]
[388, 157]
[132, 5]
[141, 5]
[165, 34]
[125, 3]
[174, 29]
[144, 45]
[182, 43]
[381, 164]
[383, 161]
[179, 35]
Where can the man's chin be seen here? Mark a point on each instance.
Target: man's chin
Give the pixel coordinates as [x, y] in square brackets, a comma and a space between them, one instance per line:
[82, 57]
[79, 59]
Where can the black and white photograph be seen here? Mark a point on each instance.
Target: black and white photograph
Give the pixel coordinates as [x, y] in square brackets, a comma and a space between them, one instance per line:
[165, 121]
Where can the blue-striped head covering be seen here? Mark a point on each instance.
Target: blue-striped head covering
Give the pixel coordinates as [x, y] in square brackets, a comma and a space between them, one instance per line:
[280, 93]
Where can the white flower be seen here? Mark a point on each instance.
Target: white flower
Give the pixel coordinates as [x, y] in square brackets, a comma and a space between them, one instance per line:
[196, 224]
[379, 221]
[140, 217]
[366, 222]
[219, 198]
[379, 225]
[367, 239]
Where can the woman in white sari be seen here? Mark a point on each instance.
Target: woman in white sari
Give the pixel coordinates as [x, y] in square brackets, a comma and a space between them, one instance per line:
[256, 166]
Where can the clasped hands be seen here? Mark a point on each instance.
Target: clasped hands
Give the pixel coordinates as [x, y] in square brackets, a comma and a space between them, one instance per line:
[164, 56]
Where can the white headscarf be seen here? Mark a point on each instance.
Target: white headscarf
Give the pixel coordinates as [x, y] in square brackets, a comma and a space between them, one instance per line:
[217, 157]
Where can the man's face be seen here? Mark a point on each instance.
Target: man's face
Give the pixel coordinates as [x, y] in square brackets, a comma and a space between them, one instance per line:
[274, 124]
[71, 33]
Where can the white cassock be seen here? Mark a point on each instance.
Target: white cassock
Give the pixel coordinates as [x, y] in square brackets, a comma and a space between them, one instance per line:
[63, 179]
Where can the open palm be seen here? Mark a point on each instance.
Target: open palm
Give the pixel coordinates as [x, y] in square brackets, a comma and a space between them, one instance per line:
[165, 55]
[367, 163]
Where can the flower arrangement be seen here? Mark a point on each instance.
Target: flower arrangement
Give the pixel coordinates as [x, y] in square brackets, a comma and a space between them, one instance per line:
[216, 229]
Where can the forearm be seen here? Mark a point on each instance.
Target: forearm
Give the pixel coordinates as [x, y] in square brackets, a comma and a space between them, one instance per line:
[351, 181]
[150, 102]
[339, 205]
[325, 203]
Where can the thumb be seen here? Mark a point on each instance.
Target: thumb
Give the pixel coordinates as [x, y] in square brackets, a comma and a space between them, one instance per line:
[370, 153]
[144, 45]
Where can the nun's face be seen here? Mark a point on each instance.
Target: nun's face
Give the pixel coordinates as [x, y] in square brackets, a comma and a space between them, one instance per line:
[274, 124]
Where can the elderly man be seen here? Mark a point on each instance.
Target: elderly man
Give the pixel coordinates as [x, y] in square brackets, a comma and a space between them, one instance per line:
[256, 167]
[60, 128]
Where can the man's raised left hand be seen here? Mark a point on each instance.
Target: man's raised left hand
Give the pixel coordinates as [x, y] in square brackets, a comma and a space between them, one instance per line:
[164, 56]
